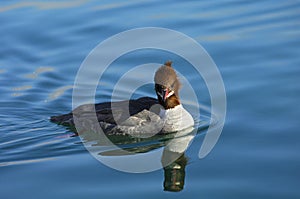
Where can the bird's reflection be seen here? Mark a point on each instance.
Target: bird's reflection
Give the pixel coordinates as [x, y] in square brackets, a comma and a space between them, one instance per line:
[174, 173]
[173, 159]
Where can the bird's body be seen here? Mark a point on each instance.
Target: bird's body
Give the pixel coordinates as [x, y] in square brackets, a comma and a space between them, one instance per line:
[176, 119]
[142, 117]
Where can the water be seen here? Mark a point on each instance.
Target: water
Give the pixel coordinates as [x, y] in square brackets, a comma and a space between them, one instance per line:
[254, 44]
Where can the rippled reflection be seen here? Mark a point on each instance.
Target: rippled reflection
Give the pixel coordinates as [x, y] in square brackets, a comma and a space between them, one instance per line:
[58, 92]
[38, 71]
[173, 146]
[43, 5]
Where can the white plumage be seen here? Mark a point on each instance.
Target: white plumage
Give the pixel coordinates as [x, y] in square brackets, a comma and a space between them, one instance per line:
[176, 119]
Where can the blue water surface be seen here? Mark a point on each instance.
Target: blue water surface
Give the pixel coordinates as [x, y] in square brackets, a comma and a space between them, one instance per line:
[255, 45]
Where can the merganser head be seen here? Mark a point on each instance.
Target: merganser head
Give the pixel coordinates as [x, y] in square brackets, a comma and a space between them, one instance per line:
[167, 86]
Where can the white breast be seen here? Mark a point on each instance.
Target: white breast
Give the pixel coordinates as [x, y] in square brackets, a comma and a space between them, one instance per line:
[176, 119]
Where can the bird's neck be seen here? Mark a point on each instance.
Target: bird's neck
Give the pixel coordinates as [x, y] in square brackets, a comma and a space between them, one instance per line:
[171, 102]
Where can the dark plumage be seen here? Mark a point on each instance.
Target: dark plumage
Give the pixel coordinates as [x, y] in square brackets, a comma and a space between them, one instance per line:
[104, 111]
[115, 115]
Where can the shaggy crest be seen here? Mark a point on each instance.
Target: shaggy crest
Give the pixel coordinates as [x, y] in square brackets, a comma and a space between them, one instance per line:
[167, 77]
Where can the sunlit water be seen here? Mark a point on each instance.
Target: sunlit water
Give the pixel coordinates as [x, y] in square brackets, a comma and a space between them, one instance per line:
[254, 44]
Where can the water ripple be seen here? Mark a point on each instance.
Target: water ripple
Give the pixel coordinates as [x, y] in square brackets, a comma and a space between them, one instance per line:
[58, 92]
[38, 71]
[44, 5]
[2, 164]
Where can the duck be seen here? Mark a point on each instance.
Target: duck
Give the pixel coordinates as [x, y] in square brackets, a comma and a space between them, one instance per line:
[146, 114]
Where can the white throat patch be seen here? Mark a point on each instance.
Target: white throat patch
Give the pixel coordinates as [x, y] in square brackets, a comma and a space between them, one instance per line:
[169, 94]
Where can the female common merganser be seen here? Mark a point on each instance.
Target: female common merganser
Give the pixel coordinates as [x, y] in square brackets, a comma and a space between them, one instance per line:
[143, 117]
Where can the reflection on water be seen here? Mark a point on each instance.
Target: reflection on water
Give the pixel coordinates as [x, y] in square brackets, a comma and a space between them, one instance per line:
[173, 146]
[58, 92]
[117, 5]
[24, 161]
[174, 160]
[43, 5]
[20, 88]
[38, 71]
[174, 173]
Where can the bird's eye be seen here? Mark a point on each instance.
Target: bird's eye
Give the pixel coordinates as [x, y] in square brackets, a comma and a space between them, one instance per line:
[159, 87]
[172, 85]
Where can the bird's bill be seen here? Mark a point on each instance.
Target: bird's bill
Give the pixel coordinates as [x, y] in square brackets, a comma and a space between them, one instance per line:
[165, 93]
